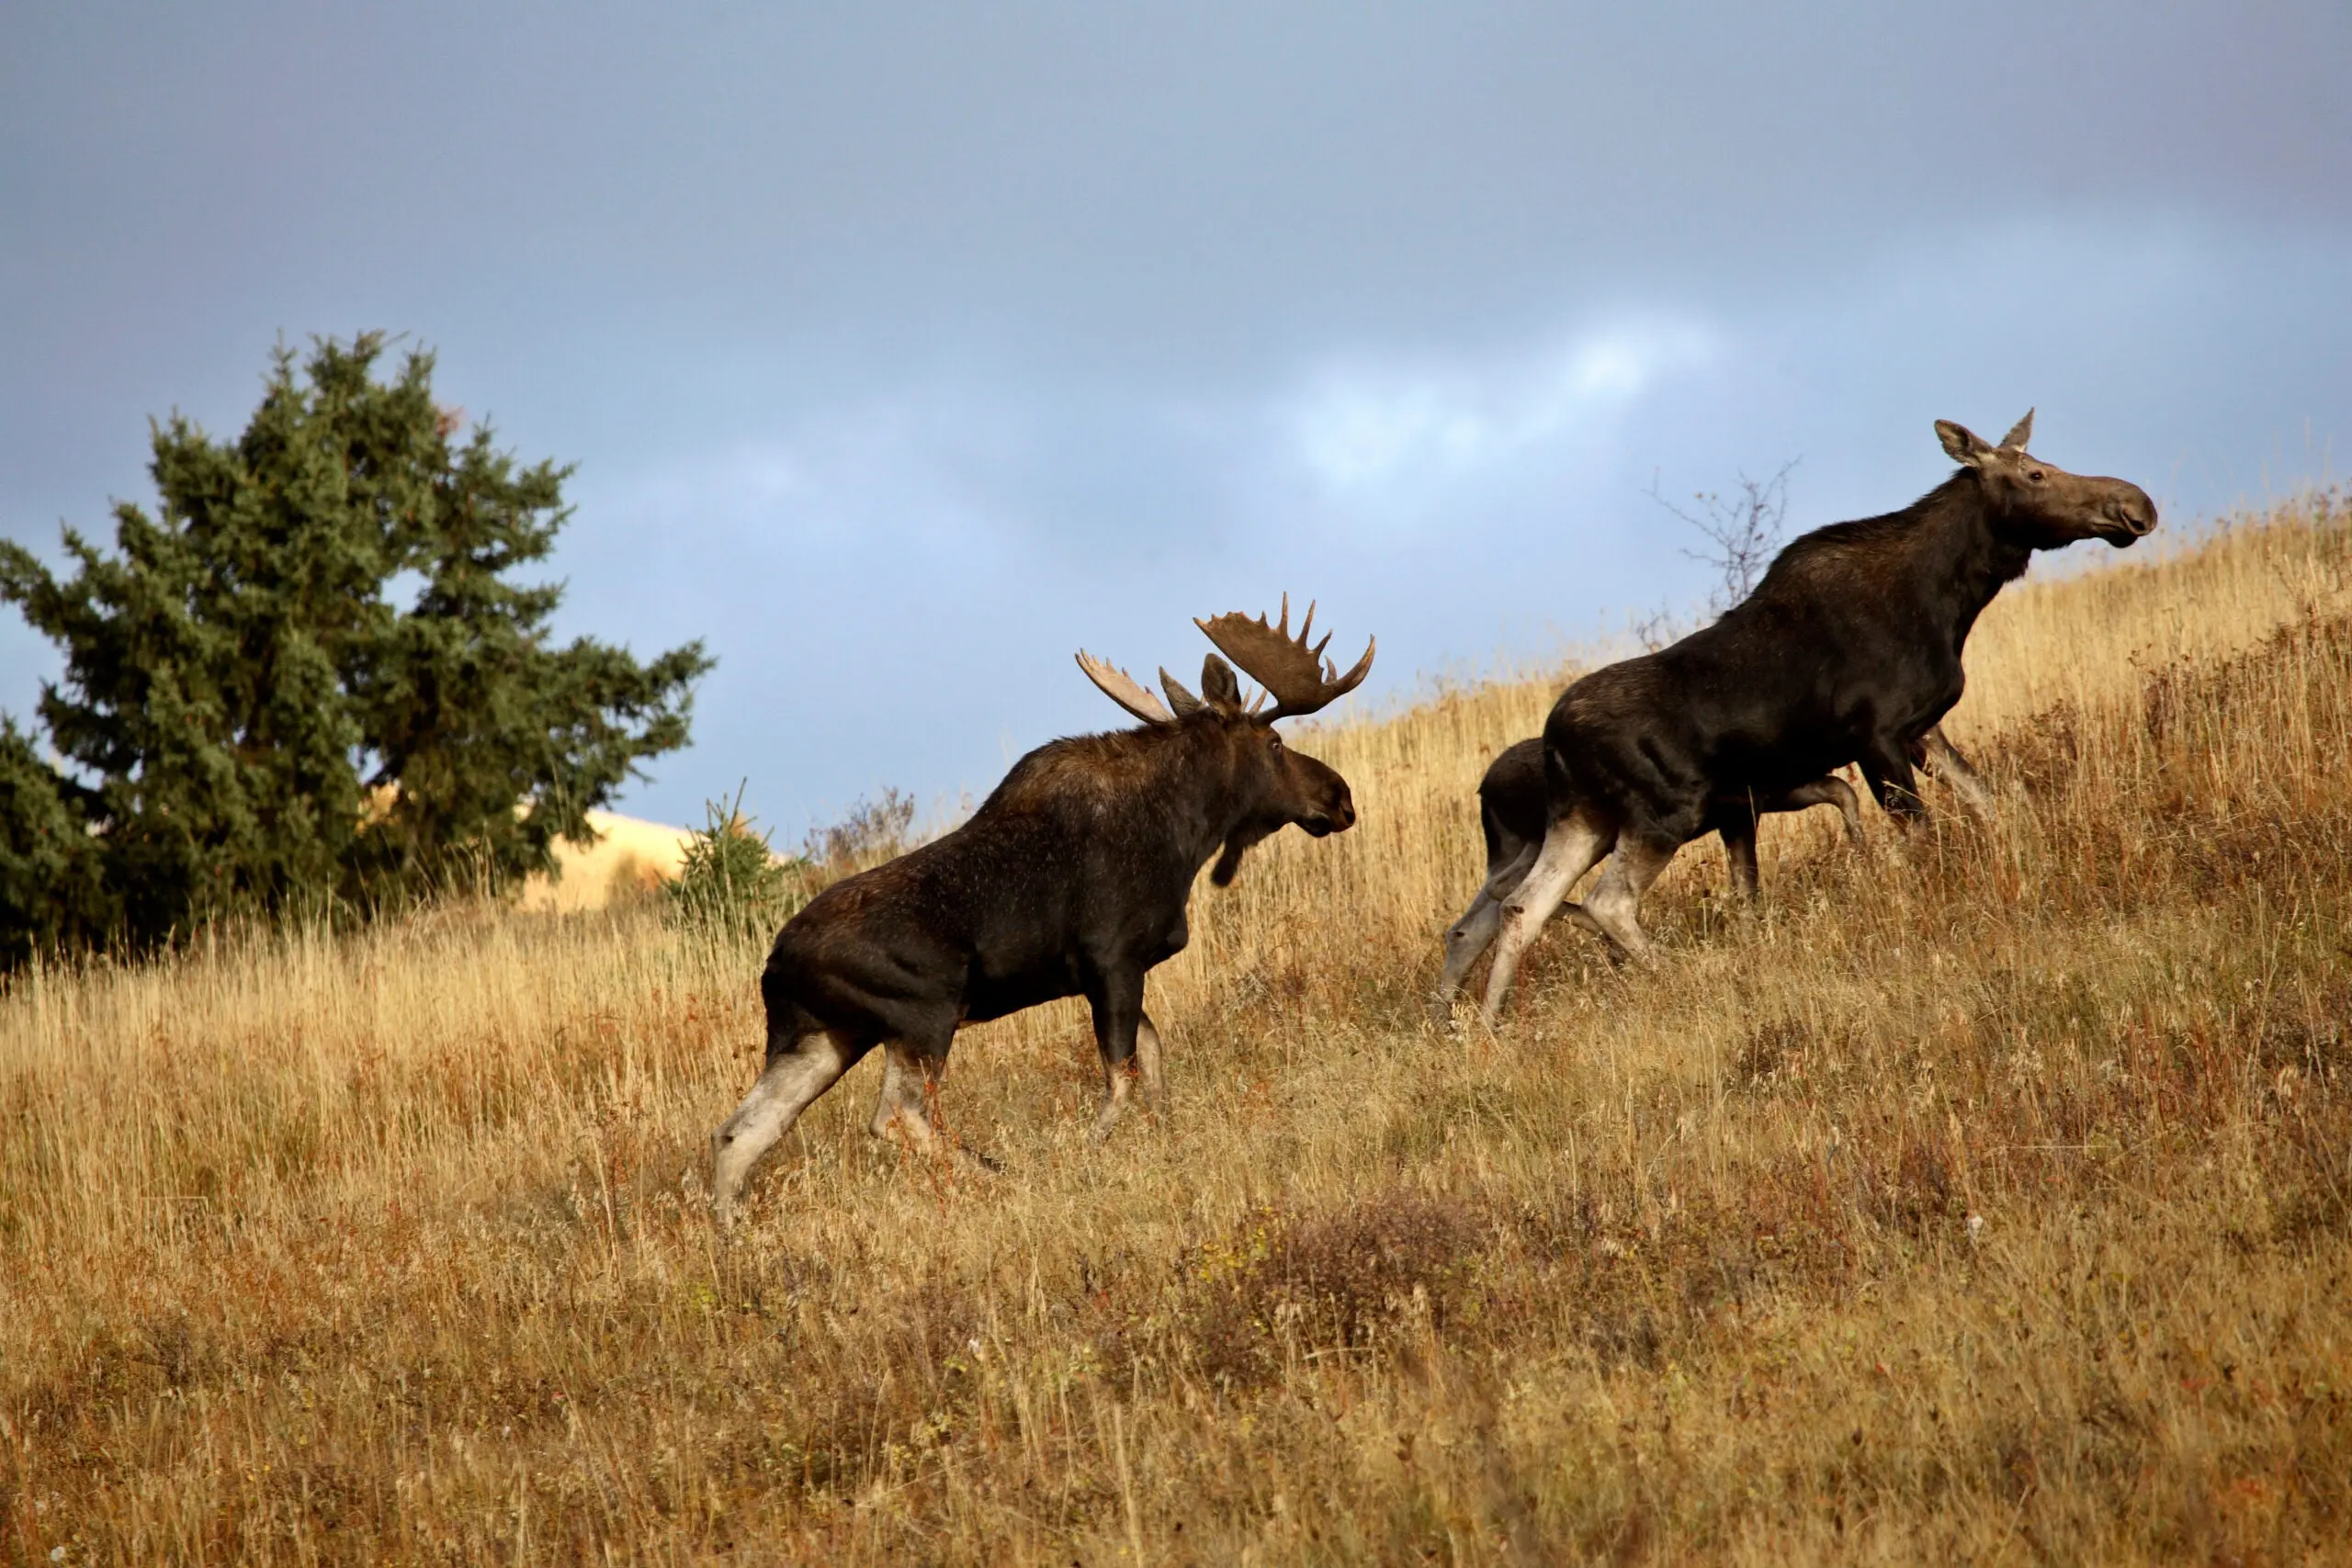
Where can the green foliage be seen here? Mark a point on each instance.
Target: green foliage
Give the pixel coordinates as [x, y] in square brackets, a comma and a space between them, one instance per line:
[252, 718]
[52, 893]
[731, 880]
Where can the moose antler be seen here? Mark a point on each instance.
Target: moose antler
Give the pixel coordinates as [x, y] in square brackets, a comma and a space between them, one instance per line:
[1123, 689]
[1300, 679]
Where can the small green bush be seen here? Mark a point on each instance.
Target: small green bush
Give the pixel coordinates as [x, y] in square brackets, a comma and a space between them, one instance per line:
[731, 880]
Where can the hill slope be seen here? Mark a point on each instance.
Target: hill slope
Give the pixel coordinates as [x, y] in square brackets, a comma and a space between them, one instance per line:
[1986, 1196]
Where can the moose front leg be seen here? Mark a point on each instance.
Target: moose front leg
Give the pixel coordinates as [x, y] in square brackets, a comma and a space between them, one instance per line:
[1119, 1023]
[1830, 790]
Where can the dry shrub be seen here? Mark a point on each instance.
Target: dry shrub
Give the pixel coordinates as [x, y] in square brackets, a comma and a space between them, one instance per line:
[1337, 1279]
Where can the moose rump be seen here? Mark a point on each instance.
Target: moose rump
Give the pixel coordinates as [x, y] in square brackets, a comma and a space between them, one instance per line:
[1071, 879]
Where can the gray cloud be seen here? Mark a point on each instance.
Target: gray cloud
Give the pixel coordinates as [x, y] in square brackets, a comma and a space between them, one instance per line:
[905, 348]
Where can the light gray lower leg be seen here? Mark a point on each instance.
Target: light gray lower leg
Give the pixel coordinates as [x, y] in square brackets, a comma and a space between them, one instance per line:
[1148, 1065]
[1945, 764]
[1464, 941]
[1118, 1083]
[784, 1089]
[909, 1078]
[1616, 898]
[1571, 846]
[1470, 936]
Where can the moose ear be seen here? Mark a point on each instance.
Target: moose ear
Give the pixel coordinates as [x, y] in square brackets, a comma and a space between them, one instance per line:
[2019, 434]
[1218, 683]
[1966, 447]
[1183, 701]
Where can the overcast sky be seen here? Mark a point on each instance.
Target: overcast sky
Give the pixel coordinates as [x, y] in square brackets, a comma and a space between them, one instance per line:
[904, 349]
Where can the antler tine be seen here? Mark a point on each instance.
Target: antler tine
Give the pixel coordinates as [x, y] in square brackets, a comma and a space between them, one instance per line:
[1123, 689]
[1300, 678]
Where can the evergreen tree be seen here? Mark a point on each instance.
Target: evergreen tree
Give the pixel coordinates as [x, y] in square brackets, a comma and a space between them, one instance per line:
[52, 893]
[251, 716]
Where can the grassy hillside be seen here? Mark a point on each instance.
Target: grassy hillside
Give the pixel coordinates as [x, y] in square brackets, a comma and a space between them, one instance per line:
[1987, 1197]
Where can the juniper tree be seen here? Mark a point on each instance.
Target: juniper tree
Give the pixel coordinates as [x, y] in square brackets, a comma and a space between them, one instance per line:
[313, 673]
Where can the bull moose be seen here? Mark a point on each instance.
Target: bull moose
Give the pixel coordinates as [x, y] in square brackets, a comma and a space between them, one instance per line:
[1071, 879]
[1848, 651]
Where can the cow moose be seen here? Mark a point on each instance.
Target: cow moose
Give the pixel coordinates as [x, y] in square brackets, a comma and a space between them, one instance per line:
[1071, 879]
[1848, 651]
[1515, 806]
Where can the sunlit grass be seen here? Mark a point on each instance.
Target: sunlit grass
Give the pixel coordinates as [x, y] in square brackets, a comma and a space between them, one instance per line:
[1985, 1196]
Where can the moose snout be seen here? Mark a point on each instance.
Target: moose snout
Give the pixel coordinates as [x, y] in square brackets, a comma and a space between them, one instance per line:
[1337, 814]
[2133, 516]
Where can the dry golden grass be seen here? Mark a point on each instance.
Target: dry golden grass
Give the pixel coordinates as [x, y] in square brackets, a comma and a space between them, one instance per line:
[1987, 1198]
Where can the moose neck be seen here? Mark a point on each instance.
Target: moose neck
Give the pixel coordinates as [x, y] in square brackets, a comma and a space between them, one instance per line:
[1959, 559]
[1201, 789]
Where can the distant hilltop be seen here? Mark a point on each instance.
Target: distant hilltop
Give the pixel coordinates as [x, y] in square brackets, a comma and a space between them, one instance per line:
[629, 858]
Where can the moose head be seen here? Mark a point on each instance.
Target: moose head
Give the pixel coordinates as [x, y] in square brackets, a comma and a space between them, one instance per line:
[1271, 785]
[2040, 505]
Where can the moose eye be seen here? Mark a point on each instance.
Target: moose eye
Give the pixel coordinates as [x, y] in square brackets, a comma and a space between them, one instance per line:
[1273, 741]
[2036, 475]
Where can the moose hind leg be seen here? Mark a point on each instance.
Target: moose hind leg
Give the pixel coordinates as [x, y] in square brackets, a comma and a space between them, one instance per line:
[799, 1068]
[1571, 849]
[1465, 940]
[1616, 898]
[1945, 764]
[1475, 932]
[911, 1074]
[1155, 1088]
